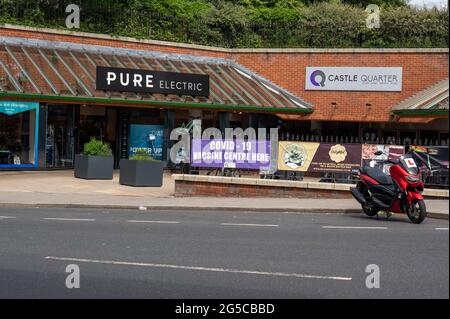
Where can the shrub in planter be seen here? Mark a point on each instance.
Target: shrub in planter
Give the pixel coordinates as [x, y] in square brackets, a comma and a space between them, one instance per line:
[141, 170]
[96, 161]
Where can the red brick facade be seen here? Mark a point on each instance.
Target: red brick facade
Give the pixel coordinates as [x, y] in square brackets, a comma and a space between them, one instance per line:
[187, 189]
[193, 188]
[420, 70]
[286, 68]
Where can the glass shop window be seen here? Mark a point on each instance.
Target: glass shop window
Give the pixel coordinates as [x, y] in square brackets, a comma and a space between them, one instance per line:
[17, 138]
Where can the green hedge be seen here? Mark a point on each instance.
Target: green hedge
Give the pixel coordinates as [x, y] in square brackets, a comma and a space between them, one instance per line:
[244, 23]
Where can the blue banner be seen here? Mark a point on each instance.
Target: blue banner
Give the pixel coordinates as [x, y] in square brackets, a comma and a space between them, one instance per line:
[146, 137]
[14, 107]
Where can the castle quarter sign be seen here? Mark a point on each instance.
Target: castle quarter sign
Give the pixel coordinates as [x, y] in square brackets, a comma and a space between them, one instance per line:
[147, 81]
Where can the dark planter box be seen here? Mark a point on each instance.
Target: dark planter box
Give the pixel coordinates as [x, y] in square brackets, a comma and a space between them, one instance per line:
[141, 173]
[94, 167]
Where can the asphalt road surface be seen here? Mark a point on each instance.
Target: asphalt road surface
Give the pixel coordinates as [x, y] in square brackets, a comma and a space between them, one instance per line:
[181, 254]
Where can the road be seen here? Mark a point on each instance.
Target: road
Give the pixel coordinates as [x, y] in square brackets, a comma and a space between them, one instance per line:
[182, 254]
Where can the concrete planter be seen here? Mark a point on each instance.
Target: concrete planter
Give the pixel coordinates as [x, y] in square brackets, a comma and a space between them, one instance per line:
[141, 173]
[93, 167]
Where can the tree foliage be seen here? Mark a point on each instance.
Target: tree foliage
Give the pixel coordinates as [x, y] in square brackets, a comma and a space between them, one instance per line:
[245, 23]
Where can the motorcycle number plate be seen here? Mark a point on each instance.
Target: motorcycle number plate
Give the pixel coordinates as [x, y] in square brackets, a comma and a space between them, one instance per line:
[410, 162]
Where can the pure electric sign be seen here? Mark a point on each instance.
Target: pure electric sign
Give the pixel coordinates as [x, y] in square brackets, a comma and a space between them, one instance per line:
[353, 78]
[146, 81]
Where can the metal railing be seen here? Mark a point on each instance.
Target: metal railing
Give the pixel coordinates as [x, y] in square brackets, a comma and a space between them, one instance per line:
[390, 140]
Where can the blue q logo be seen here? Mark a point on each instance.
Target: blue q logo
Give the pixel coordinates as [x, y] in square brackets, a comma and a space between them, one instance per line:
[314, 76]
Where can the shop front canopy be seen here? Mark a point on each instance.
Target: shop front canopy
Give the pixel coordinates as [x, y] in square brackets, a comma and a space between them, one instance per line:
[433, 101]
[66, 72]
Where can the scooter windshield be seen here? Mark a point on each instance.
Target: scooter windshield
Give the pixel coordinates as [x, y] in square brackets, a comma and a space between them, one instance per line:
[409, 164]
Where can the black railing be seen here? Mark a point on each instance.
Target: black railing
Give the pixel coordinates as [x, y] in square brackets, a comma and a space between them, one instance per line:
[390, 140]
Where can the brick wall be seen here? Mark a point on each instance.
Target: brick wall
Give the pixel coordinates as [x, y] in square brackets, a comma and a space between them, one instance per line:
[196, 188]
[421, 69]
[201, 185]
[94, 39]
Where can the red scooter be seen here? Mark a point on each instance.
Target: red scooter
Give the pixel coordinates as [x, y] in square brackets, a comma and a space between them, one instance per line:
[401, 192]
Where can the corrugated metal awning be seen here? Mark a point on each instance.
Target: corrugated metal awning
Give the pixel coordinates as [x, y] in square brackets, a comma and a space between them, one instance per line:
[66, 71]
[431, 101]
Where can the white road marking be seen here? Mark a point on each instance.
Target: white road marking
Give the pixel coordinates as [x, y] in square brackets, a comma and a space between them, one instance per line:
[71, 219]
[7, 217]
[353, 227]
[153, 221]
[250, 225]
[441, 228]
[226, 270]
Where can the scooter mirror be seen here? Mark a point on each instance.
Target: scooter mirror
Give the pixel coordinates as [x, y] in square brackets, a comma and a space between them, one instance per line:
[378, 153]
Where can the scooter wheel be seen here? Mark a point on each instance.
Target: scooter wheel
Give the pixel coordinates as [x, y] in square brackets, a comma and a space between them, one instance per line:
[369, 211]
[417, 212]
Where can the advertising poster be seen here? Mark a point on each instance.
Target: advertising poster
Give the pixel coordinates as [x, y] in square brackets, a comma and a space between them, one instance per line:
[318, 157]
[296, 156]
[336, 158]
[368, 157]
[146, 137]
[436, 156]
[230, 154]
[395, 151]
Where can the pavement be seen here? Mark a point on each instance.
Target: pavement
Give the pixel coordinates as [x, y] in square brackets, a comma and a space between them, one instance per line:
[213, 254]
[61, 189]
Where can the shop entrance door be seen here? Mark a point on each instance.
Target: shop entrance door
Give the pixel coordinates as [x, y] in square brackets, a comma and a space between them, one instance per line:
[98, 122]
[92, 124]
[60, 139]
